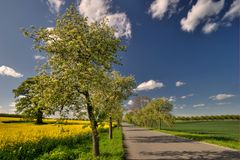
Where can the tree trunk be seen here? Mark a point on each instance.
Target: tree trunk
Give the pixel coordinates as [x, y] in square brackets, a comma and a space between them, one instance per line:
[93, 122]
[39, 117]
[160, 124]
[118, 123]
[110, 127]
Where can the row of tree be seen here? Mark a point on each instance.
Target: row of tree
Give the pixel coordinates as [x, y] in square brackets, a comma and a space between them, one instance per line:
[78, 75]
[210, 117]
[154, 111]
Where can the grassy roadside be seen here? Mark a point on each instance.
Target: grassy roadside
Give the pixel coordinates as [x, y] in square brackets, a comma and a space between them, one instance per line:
[221, 141]
[110, 149]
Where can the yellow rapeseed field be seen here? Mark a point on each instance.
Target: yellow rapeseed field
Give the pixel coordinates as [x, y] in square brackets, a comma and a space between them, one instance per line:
[15, 133]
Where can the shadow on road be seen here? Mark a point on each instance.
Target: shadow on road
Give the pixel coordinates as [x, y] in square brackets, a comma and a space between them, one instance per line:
[159, 139]
[140, 143]
[203, 155]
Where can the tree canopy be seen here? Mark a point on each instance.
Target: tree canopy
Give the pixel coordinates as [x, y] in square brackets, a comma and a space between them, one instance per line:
[155, 111]
[80, 56]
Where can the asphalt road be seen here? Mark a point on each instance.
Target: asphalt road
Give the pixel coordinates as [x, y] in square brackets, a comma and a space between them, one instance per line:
[140, 143]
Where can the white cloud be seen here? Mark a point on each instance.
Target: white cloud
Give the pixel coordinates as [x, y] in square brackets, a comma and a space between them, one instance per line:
[180, 106]
[55, 5]
[220, 97]
[160, 7]
[179, 83]
[172, 99]
[39, 57]
[4, 70]
[95, 10]
[186, 96]
[198, 105]
[210, 27]
[223, 103]
[234, 11]
[121, 23]
[201, 11]
[149, 85]
[98, 10]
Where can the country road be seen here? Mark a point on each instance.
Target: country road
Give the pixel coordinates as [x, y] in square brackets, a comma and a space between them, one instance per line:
[143, 144]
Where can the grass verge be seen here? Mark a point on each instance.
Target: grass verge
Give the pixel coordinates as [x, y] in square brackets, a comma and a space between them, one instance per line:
[221, 141]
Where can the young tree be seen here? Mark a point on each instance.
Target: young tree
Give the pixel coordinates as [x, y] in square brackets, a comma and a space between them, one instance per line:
[115, 89]
[28, 95]
[79, 54]
[156, 110]
[159, 110]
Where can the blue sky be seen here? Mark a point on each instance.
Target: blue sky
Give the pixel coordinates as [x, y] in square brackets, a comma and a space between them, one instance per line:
[186, 51]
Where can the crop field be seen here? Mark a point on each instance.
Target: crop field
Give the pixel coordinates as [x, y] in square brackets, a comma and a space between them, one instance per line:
[225, 133]
[69, 140]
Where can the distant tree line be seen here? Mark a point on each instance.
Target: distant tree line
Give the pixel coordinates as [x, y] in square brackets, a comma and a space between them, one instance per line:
[11, 115]
[209, 117]
[156, 113]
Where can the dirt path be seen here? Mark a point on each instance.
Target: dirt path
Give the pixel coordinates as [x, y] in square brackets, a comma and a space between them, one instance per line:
[141, 144]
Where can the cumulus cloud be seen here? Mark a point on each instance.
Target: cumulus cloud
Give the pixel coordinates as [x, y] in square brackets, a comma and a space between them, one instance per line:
[149, 85]
[233, 12]
[55, 5]
[160, 7]
[201, 11]
[98, 10]
[180, 106]
[198, 105]
[121, 23]
[7, 71]
[210, 27]
[186, 96]
[223, 103]
[220, 97]
[39, 57]
[179, 83]
[172, 99]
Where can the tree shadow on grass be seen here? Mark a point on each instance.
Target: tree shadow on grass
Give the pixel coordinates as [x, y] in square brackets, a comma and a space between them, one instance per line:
[18, 121]
[202, 137]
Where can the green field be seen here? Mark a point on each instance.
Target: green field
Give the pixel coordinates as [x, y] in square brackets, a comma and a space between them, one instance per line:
[224, 133]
